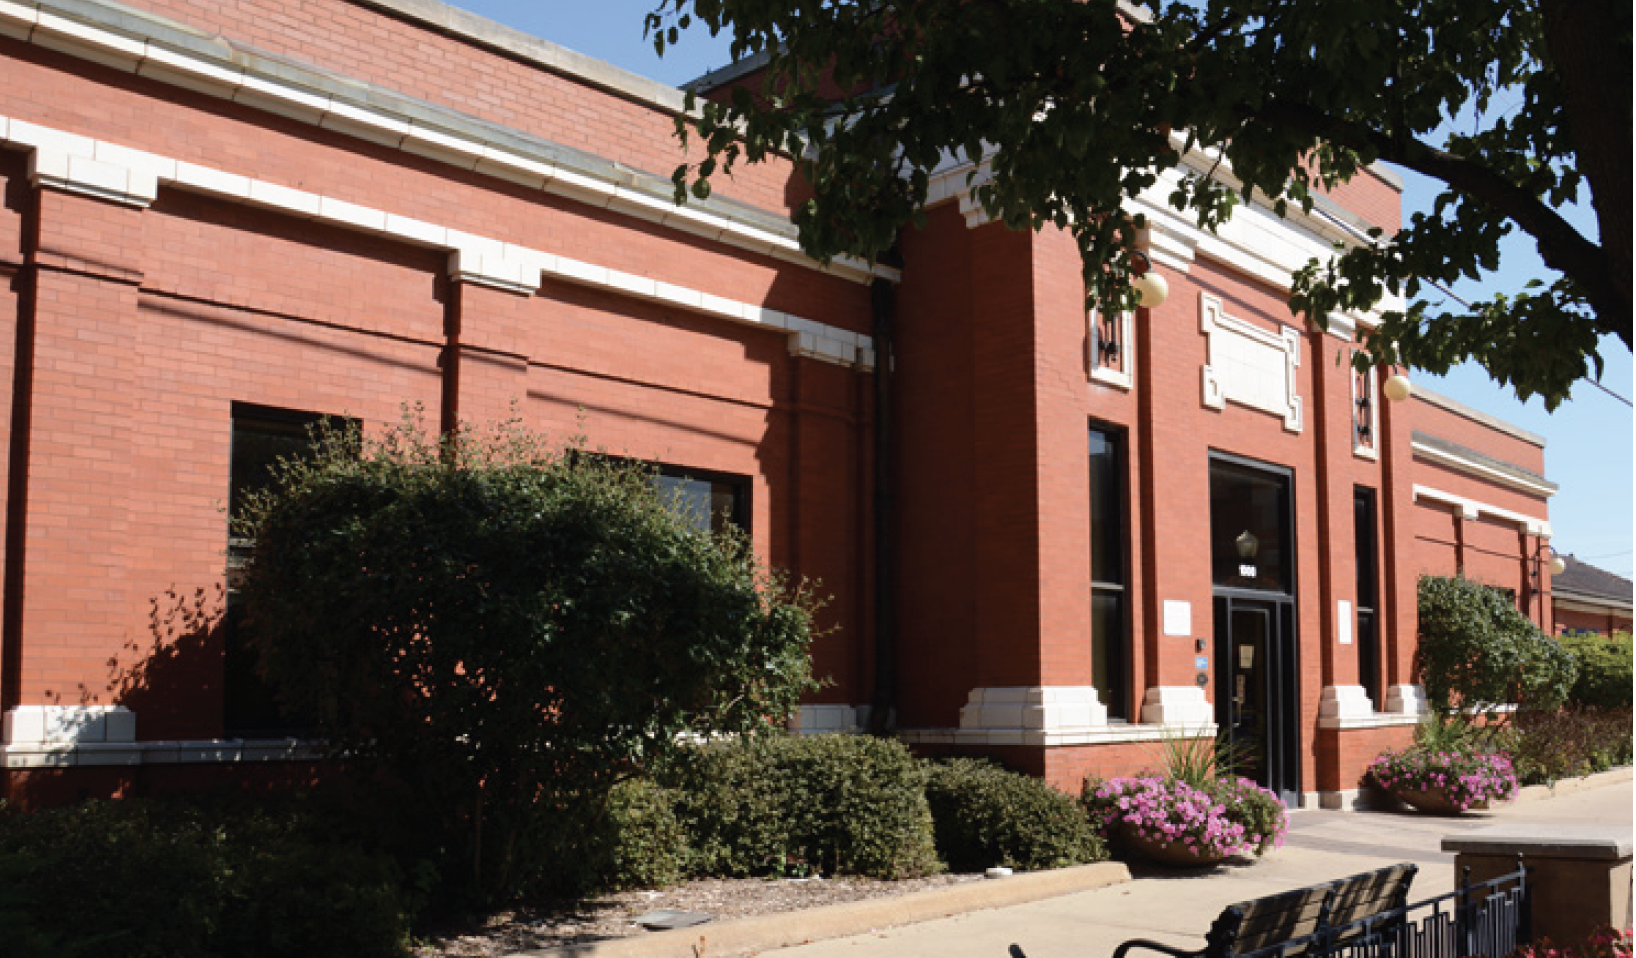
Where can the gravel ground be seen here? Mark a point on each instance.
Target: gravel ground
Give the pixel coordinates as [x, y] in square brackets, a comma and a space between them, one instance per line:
[612, 916]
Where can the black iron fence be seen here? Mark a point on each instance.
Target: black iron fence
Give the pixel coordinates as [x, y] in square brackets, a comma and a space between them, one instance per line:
[1487, 919]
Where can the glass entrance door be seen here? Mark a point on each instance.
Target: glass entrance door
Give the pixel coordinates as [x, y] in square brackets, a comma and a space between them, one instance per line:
[1246, 692]
[1256, 702]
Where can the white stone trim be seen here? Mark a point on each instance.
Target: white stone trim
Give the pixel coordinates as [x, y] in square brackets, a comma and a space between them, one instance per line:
[26, 755]
[1472, 509]
[474, 259]
[1050, 716]
[1343, 800]
[1255, 240]
[1473, 467]
[1346, 707]
[230, 80]
[1114, 733]
[1407, 700]
[80, 736]
[1593, 604]
[1232, 346]
[1034, 712]
[1179, 707]
[827, 720]
[66, 725]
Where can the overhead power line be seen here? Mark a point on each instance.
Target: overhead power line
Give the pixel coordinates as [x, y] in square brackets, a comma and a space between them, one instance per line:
[1452, 295]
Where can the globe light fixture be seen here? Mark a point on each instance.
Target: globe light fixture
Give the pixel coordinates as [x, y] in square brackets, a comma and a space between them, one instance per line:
[1397, 387]
[1557, 565]
[1150, 288]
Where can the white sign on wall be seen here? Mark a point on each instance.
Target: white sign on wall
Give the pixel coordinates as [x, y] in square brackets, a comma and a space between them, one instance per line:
[1178, 617]
[1343, 621]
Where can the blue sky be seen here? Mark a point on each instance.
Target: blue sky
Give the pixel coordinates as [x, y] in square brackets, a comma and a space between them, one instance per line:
[1588, 449]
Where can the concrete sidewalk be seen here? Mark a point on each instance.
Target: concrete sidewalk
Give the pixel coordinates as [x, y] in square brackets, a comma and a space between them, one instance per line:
[1177, 908]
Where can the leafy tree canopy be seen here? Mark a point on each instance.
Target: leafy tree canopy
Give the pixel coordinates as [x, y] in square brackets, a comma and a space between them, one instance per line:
[1070, 105]
[508, 627]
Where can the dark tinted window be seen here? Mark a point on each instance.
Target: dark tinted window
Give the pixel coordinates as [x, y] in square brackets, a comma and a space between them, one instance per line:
[1110, 633]
[261, 437]
[1249, 515]
[710, 502]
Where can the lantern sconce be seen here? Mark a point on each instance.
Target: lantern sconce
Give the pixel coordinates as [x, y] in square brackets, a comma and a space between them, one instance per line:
[1248, 545]
[1150, 288]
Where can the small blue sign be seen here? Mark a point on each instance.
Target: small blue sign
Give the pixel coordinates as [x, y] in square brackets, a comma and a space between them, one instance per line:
[1201, 662]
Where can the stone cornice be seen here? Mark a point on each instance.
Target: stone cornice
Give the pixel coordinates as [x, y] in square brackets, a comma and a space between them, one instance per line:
[151, 46]
[115, 173]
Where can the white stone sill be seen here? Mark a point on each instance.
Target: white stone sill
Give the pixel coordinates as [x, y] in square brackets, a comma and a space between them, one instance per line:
[105, 754]
[1110, 734]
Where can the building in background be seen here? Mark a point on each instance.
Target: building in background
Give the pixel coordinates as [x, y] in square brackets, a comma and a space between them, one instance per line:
[1588, 599]
[1060, 539]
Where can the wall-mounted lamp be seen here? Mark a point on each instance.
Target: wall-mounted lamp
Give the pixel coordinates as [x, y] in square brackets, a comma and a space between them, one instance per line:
[1248, 545]
[1107, 339]
[1151, 288]
[1555, 563]
[1397, 387]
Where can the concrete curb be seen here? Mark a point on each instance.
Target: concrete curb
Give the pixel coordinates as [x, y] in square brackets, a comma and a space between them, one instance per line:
[851, 918]
[1534, 793]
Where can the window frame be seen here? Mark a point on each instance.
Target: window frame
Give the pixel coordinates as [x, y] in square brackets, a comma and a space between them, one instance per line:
[1117, 649]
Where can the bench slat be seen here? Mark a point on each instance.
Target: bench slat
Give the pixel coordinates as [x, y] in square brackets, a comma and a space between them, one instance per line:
[1264, 922]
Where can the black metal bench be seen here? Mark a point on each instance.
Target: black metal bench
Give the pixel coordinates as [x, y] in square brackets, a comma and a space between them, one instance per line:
[1296, 918]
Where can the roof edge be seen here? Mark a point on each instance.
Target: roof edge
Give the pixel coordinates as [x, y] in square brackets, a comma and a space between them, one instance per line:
[1481, 418]
[481, 31]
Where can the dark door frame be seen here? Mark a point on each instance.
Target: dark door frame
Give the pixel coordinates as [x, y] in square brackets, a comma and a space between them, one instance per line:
[1283, 691]
[1281, 696]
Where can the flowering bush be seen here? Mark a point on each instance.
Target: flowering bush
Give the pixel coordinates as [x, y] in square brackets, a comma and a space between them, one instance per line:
[1468, 778]
[1604, 943]
[1228, 816]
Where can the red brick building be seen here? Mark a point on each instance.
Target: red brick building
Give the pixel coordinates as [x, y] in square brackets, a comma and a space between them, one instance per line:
[1589, 599]
[1067, 537]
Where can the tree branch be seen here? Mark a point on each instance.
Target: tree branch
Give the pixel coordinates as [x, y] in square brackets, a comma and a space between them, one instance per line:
[1560, 245]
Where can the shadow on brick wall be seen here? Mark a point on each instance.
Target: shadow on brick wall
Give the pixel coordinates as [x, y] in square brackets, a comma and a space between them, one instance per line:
[173, 677]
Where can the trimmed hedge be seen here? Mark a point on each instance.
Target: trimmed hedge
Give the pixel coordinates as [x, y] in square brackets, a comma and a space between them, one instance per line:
[152, 879]
[1605, 669]
[985, 815]
[825, 804]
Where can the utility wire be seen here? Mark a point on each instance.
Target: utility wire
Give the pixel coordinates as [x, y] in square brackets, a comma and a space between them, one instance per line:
[1451, 294]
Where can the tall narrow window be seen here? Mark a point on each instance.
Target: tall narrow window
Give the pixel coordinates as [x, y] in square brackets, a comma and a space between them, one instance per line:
[1363, 532]
[261, 437]
[1109, 619]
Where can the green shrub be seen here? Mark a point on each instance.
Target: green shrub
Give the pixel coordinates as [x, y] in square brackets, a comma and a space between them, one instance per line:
[985, 815]
[830, 804]
[1546, 747]
[502, 624]
[144, 879]
[637, 842]
[1475, 649]
[1605, 669]
[169, 878]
